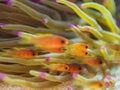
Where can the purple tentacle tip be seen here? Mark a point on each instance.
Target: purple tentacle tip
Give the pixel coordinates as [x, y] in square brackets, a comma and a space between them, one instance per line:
[71, 26]
[2, 76]
[44, 21]
[69, 88]
[57, 1]
[9, 2]
[105, 1]
[2, 25]
[102, 47]
[19, 34]
[75, 42]
[43, 74]
[74, 75]
[108, 77]
[81, 6]
[48, 59]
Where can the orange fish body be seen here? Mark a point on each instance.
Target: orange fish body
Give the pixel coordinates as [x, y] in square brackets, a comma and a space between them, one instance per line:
[23, 53]
[93, 62]
[78, 49]
[68, 68]
[74, 68]
[72, 1]
[50, 43]
[61, 68]
[96, 85]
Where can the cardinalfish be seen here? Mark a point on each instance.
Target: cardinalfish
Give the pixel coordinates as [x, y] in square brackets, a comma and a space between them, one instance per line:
[114, 47]
[24, 53]
[77, 49]
[47, 42]
[72, 1]
[89, 83]
[65, 67]
[92, 61]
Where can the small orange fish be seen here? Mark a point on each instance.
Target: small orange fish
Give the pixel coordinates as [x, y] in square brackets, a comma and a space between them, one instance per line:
[96, 85]
[67, 68]
[92, 61]
[114, 47]
[87, 83]
[74, 68]
[50, 42]
[25, 53]
[78, 49]
[72, 1]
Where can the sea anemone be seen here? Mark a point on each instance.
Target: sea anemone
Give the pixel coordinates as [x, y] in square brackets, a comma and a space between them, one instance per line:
[49, 43]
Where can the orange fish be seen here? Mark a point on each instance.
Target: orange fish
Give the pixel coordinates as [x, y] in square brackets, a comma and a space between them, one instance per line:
[67, 68]
[78, 49]
[96, 85]
[50, 42]
[114, 47]
[74, 68]
[92, 61]
[72, 1]
[25, 53]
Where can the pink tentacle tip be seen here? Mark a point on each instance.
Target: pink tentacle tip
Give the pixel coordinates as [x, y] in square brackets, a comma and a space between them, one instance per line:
[75, 42]
[81, 6]
[43, 74]
[108, 77]
[74, 75]
[2, 25]
[48, 59]
[71, 26]
[56, 1]
[107, 84]
[2, 76]
[44, 21]
[69, 88]
[105, 1]
[102, 47]
[19, 34]
[9, 2]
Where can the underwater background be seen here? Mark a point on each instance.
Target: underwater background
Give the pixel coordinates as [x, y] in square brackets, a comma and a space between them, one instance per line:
[59, 44]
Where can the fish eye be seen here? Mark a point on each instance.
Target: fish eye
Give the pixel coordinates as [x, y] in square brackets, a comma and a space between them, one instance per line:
[79, 68]
[100, 61]
[100, 84]
[66, 68]
[33, 53]
[63, 41]
[64, 48]
[86, 46]
[86, 53]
